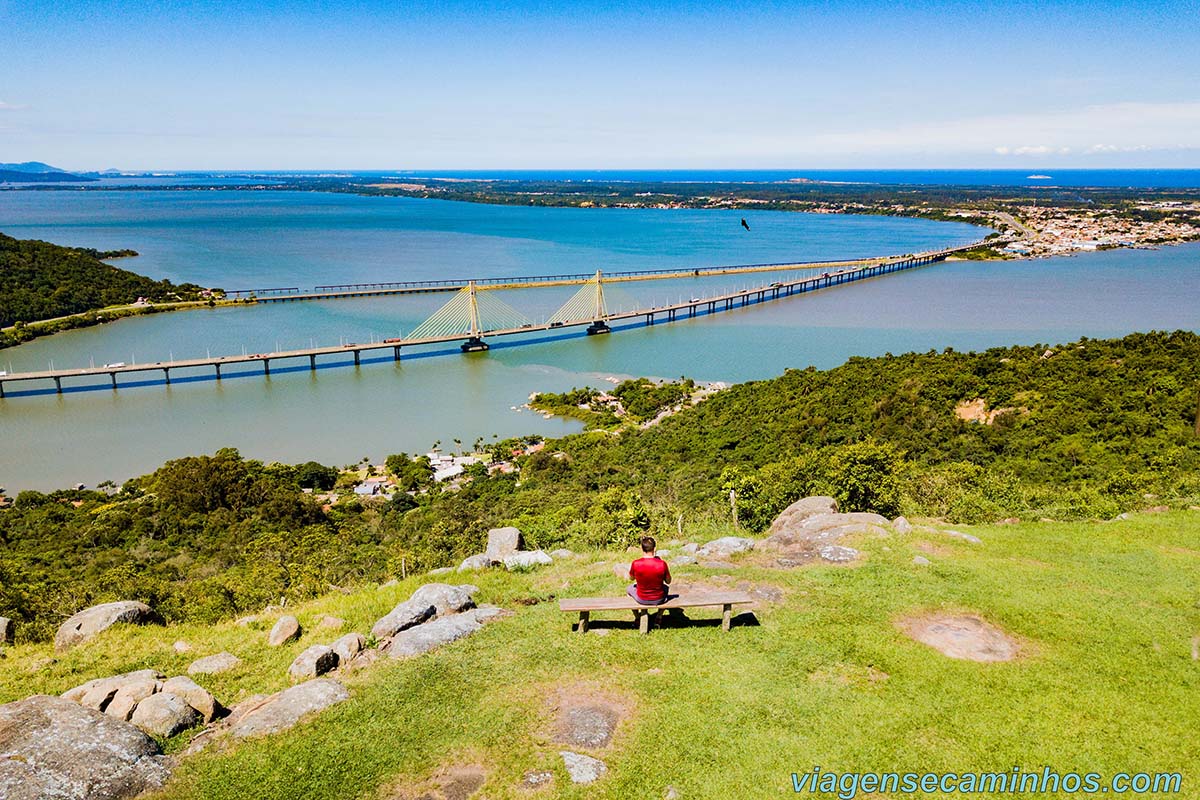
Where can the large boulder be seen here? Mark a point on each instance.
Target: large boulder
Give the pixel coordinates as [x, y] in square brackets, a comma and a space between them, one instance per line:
[164, 714]
[403, 616]
[527, 560]
[815, 530]
[801, 510]
[211, 665]
[54, 749]
[481, 561]
[6, 630]
[348, 646]
[445, 598]
[90, 621]
[313, 663]
[284, 709]
[726, 546]
[285, 630]
[503, 542]
[195, 696]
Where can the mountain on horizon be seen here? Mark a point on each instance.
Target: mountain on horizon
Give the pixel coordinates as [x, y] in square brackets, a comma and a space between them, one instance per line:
[30, 166]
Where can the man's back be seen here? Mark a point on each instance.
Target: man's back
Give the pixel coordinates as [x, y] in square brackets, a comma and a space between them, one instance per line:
[652, 576]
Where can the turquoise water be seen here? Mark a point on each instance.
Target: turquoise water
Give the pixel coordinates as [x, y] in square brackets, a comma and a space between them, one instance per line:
[340, 413]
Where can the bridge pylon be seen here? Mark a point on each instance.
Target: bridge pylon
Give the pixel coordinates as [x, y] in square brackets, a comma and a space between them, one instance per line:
[586, 305]
[475, 343]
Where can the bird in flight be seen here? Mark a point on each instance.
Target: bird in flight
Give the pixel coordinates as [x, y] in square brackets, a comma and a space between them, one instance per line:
[745, 224]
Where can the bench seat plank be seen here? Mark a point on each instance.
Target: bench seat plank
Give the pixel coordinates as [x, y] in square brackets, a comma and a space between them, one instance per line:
[684, 600]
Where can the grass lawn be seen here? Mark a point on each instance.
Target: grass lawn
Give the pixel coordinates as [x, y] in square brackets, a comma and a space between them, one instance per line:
[1105, 681]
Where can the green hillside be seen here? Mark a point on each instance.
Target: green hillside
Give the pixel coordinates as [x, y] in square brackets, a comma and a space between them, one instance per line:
[39, 281]
[1094, 429]
[821, 674]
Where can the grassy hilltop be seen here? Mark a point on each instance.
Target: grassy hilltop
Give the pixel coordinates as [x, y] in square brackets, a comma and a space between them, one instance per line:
[1104, 680]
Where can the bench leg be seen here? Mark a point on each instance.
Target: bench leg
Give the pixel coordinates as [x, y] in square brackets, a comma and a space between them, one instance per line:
[726, 616]
[584, 616]
[643, 621]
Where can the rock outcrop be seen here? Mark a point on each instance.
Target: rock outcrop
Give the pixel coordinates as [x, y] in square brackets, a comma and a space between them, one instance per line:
[430, 600]
[481, 561]
[195, 696]
[52, 748]
[426, 637]
[285, 630]
[284, 709]
[583, 769]
[91, 621]
[6, 631]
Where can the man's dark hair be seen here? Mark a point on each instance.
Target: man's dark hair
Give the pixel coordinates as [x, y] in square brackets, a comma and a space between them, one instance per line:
[648, 544]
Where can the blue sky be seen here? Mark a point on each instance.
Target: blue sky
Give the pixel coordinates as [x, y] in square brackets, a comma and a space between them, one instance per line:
[246, 85]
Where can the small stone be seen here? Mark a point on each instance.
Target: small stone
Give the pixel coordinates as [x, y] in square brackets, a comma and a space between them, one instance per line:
[331, 623]
[561, 553]
[164, 715]
[621, 570]
[683, 560]
[244, 622]
[348, 647]
[441, 571]
[444, 597]
[6, 630]
[313, 663]
[211, 665]
[285, 630]
[583, 769]
[670, 793]
[527, 560]
[921, 561]
[902, 525]
[690, 548]
[182, 647]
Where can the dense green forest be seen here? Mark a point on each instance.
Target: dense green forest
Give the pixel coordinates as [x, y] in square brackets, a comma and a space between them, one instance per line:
[1080, 431]
[39, 281]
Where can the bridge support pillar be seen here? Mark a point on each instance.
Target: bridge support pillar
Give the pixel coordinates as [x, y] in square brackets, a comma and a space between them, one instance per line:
[312, 361]
[474, 345]
[597, 327]
[396, 353]
[267, 367]
[58, 385]
[357, 357]
[1, 390]
[218, 367]
[166, 376]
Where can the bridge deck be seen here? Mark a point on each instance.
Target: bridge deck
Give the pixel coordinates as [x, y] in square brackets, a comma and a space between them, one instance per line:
[724, 301]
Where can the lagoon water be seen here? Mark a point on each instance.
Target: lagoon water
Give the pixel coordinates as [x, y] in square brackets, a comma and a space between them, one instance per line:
[339, 414]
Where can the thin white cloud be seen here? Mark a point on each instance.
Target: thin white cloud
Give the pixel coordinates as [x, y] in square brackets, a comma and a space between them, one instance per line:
[1121, 127]
[9, 106]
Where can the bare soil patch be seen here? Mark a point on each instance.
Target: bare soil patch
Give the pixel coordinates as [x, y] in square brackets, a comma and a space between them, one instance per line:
[961, 636]
[451, 782]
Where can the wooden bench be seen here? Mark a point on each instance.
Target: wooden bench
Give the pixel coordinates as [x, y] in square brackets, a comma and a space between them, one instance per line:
[641, 613]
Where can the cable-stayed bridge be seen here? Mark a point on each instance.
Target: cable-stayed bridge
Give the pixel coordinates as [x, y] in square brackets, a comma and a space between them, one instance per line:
[471, 316]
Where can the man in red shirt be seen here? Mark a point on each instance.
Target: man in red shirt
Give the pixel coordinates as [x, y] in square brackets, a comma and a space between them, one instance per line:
[651, 576]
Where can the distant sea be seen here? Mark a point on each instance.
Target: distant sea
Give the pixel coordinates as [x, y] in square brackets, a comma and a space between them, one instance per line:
[1032, 177]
